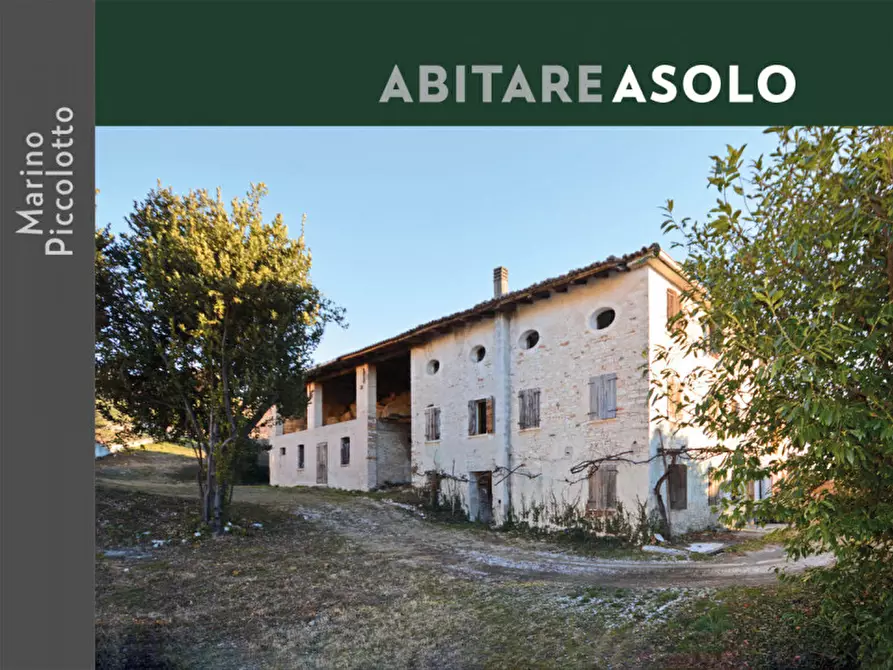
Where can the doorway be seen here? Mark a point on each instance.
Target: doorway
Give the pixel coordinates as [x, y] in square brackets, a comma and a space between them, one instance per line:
[322, 463]
[482, 495]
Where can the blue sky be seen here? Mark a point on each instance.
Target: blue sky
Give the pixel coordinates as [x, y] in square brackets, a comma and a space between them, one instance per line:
[407, 224]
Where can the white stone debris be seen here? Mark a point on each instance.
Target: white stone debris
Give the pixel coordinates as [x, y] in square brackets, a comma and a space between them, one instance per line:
[705, 547]
[669, 551]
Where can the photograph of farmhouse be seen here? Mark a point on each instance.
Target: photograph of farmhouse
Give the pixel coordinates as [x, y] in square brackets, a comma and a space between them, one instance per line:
[535, 379]
[494, 398]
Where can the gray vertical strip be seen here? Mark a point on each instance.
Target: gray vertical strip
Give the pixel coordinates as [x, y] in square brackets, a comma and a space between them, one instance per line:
[46, 334]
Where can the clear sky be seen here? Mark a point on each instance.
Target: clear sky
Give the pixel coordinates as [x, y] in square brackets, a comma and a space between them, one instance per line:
[406, 224]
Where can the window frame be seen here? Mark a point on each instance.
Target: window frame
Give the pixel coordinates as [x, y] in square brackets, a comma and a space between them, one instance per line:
[474, 416]
[301, 457]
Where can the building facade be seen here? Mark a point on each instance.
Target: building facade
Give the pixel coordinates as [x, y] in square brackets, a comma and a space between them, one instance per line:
[496, 404]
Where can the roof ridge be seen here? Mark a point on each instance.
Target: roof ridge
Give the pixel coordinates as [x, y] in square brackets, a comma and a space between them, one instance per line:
[438, 324]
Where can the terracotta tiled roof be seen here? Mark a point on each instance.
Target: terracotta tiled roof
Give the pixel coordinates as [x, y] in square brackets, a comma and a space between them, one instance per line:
[401, 343]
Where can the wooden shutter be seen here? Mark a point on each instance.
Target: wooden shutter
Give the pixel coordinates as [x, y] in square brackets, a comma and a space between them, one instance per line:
[529, 408]
[595, 395]
[672, 303]
[713, 490]
[610, 487]
[674, 306]
[603, 396]
[490, 422]
[674, 397]
[472, 418]
[593, 489]
[610, 403]
[603, 488]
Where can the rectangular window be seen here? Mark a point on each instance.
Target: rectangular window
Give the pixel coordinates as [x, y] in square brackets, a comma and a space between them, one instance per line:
[300, 457]
[480, 416]
[678, 484]
[529, 408]
[282, 451]
[603, 396]
[432, 424]
[345, 451]
[713, 488]
[603, 488]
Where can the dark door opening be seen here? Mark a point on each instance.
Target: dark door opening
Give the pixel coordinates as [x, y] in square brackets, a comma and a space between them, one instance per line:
[483, 483]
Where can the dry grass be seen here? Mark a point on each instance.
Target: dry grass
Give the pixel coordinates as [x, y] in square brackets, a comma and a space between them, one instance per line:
[356, 589]
[292, 595]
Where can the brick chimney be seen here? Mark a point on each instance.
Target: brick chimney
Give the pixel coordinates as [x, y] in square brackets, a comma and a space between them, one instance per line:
[500, 281]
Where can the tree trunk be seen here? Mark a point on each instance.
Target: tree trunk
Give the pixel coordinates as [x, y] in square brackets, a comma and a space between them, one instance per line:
[207, 502]
[661, 507]
[219, 493]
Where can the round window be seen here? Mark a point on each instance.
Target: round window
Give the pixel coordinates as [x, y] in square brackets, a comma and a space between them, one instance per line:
[433, 366]
[478, 353]
[603, 318]
[529, 339]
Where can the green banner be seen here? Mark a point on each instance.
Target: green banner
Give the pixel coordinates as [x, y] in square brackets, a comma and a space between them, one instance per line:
[493, 63]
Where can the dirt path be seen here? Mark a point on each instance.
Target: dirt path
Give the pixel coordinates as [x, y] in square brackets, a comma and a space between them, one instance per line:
[402, 536]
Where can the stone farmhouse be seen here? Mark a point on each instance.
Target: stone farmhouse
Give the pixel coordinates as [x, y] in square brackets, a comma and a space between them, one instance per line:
[499, 401]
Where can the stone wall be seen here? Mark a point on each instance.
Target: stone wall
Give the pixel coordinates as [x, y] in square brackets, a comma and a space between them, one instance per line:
[568, 353]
